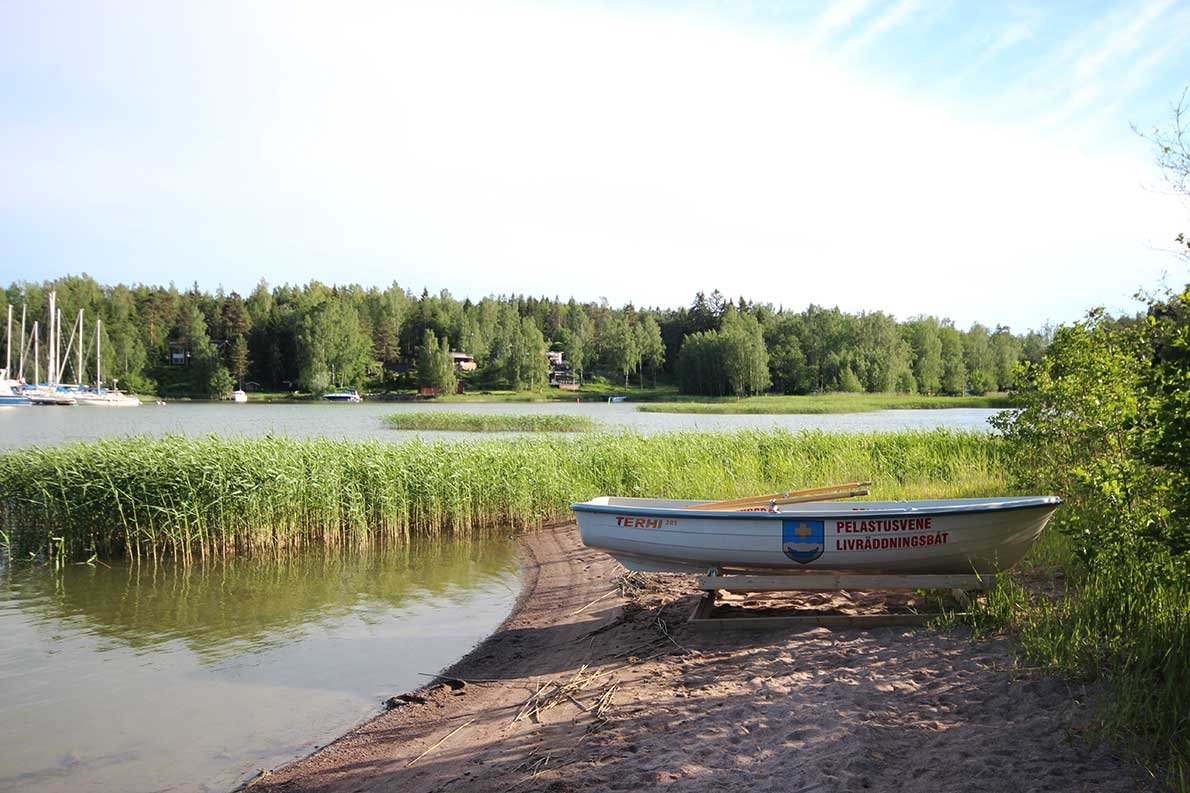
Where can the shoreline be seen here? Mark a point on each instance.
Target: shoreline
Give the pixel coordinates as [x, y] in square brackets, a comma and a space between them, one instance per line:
[595, 682]
[557, 573]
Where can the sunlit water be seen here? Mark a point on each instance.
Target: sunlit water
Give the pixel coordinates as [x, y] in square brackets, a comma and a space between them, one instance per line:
[28, 426]
[191, 679]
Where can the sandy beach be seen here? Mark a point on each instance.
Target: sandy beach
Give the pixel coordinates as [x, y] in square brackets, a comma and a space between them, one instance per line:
[595, 683]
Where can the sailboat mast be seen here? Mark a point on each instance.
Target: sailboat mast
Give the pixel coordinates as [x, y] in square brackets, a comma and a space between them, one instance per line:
[20, 374]
[8, 347]
[98, 374]
[58, 347]
[49, 341]
[36, 355]
[78, 376]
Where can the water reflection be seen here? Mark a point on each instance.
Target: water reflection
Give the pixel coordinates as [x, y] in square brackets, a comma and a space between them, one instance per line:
[128, 678]
[249, 603]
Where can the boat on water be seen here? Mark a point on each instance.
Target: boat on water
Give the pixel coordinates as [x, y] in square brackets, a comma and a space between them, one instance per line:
[100, 396]
[960, 536]
[239, 396]
[343, 395]
[11, 392]
[51, 397]
[106, 397]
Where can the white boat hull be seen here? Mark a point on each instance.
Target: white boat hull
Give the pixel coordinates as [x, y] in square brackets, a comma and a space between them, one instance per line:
[109, 400]
[11, 392]
[947, 536]
[51, 398]
[348, 395]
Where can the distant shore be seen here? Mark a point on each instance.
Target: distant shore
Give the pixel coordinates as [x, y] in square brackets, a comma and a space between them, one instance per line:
[595, 682]
[829, 403]
[660, 400]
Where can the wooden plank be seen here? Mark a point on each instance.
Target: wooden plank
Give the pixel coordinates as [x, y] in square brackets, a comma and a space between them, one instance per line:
[823, 581]
[704, 608]
[861, 621]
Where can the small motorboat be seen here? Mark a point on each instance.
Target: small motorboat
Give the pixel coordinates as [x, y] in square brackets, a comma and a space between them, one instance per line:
[238, 396]
[55, 398]
[959, 536]
[343, 395]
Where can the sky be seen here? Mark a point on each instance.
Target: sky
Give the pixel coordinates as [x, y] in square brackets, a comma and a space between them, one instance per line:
[971, 160]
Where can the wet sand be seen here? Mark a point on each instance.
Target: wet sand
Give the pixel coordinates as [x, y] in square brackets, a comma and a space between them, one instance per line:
[595, 683]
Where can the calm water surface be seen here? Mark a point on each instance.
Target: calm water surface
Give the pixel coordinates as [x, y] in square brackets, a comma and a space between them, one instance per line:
[168, 678]
[28, 426]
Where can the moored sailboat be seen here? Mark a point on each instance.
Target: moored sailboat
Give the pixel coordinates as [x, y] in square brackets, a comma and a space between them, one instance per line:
[100, 396]
[11, 391]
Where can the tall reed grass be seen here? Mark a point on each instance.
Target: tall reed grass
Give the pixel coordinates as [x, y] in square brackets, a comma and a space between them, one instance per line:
[201, 497]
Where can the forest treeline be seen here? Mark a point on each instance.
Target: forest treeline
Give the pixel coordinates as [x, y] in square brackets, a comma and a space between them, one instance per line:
[314, 337]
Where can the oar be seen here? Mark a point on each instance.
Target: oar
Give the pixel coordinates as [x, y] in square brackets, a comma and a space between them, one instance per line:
[749, 500]
[793, 500]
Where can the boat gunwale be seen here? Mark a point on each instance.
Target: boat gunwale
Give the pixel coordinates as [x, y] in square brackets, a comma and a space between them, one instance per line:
[1025, 502]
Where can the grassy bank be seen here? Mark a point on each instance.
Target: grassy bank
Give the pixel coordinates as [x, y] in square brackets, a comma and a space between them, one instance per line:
[593, 389]
[194, 497]
[827, 403]
[491, 422]
[1126, 624]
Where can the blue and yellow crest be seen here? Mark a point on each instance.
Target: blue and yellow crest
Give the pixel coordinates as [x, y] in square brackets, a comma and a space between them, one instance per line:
[802, 540]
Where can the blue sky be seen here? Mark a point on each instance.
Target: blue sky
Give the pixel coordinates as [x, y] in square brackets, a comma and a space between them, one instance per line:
[966, 159]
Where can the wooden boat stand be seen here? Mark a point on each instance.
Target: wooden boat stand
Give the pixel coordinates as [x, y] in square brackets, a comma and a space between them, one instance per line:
[716, 580]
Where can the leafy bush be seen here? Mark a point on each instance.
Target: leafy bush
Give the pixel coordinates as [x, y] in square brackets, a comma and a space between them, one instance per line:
[1104, 421]
[1078, 432]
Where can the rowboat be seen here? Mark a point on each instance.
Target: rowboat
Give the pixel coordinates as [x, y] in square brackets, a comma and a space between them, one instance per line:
[961, 536]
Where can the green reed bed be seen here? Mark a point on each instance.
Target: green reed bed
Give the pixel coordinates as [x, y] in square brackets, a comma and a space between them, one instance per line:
[199, 497]
[488, 422]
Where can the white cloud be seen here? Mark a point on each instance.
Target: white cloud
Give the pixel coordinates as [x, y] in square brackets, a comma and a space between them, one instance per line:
[882, 24]
[836, 17]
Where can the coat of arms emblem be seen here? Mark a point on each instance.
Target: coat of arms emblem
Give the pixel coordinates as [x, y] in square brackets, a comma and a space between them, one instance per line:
[802, 540]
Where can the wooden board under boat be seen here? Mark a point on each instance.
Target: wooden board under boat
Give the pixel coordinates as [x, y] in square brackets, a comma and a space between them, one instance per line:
[965, 535]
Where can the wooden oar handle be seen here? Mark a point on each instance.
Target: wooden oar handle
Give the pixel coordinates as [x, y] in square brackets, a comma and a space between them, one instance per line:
[784, 501]
[733, 503]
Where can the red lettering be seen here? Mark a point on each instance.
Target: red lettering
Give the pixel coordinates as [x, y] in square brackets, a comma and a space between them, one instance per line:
[892, 543]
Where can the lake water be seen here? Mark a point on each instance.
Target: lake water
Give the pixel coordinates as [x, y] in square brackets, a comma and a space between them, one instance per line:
[29, 426]
[191, 679]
